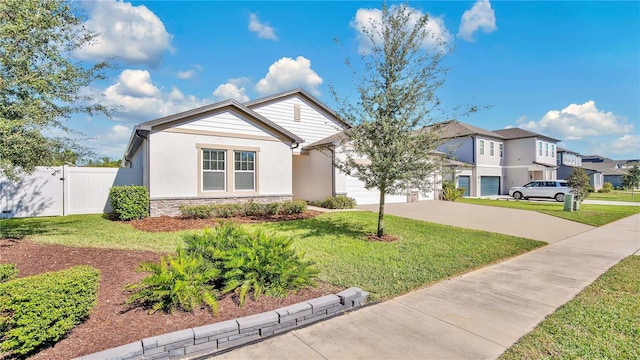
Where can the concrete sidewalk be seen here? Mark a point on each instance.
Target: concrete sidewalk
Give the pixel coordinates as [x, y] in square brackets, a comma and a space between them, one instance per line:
[473, 316]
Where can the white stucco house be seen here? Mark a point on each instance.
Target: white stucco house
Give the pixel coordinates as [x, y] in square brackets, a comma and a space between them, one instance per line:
[262, 150]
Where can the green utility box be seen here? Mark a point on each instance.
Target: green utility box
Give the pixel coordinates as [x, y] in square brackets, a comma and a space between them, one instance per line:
[568, 202]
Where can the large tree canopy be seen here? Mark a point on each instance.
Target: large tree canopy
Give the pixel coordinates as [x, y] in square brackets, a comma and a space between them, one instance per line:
[397, 107]
[41, 83]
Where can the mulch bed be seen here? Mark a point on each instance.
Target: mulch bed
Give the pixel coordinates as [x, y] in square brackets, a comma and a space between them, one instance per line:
[111, 322]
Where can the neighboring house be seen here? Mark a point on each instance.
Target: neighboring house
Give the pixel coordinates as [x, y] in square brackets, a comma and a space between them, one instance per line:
[231, 152]
[482, 150]
[567, 161]
[613, 171]
[528, 156]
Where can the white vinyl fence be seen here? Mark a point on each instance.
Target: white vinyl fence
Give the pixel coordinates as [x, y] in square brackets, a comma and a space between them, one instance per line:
[63, 190]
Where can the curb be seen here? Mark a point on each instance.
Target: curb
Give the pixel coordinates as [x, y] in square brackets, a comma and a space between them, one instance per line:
[227, 335]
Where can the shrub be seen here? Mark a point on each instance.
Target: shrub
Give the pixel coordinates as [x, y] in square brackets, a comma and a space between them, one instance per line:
[273, 208]
[336, 202]
[607, 185]
[227, 210]
[129, 202]
[293, 207]
[180, 281]
[450, 192]
[604, 190]
[253, 208]
[265, 264]
[7, 272]
[41, 309]
[197, 211]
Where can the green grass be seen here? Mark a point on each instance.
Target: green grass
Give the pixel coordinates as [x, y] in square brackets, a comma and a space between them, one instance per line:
[88, 231]
[602, 322]
[616, 195]
[424, 253]
[594, 215]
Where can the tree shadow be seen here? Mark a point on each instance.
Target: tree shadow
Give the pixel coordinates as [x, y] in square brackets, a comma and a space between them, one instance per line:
[324, 226]
[18, 229]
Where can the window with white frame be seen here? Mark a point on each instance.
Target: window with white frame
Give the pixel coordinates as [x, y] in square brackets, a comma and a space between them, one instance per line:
[501, 149]
[492, 149]
[482, 147]
[213, 170]
[546, 149]
[244, 170]
[553, 151]
[539, 148]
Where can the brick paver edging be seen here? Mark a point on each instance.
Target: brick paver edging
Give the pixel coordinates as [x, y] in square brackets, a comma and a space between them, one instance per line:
[209, 339]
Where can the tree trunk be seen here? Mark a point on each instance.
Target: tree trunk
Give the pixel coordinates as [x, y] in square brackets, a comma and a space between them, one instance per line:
[381, 214]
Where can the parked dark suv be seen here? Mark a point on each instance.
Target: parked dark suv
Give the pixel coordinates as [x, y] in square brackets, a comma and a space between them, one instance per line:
[553, 189]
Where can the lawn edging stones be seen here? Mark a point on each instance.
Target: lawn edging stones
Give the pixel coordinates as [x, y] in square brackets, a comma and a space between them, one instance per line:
[226, 335]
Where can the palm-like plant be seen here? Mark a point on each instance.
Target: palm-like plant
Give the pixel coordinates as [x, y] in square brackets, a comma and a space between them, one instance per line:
[178, 281]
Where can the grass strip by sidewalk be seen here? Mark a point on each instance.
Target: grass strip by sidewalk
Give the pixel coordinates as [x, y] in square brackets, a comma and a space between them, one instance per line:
[337, 242]
[602, 322]
[616, 195]
[594, 215]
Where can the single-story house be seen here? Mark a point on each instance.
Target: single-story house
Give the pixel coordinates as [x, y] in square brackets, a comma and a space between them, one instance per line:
[232, 152]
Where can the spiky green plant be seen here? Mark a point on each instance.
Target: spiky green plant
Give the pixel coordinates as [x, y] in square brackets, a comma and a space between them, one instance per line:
[265, 264]
[180, 281]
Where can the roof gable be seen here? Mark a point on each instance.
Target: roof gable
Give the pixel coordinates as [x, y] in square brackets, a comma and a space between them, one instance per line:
[454, 129]
[518, 133]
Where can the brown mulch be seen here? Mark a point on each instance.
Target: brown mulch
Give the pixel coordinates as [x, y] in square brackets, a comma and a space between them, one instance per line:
[167, 223]
[383, 238]
[111, 322]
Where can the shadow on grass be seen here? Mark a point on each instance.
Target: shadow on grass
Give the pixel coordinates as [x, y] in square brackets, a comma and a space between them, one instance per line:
[323, 226]
[18, 229]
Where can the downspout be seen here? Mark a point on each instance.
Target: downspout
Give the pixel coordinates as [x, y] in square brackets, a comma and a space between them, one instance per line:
[333, 172]
[127, 160]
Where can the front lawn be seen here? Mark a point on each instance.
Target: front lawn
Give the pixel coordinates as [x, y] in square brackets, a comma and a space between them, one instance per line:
[616, 195]
[594, 215]
[602, 322]
[423, 254]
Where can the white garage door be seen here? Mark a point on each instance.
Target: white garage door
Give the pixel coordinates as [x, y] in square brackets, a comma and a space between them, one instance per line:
[356, 190]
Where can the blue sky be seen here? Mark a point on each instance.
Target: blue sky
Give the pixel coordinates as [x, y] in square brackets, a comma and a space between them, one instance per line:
[569, 70]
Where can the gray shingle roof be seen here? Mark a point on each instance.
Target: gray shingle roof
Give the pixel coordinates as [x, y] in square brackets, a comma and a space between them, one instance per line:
[454, 128]
[517, 133]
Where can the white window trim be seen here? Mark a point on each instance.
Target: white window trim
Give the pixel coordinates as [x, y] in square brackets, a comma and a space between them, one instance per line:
[230, 171]
[481, 145]
[255, 163]
[202, 170]
[492, 149]
[501, 150]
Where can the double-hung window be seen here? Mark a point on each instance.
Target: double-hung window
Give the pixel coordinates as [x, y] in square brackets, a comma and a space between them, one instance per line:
[553, 151]
[244, 170]
[501, 149]
[539, 148]
[546, 149]
[482, 147]
[492, 149]
[213, 170]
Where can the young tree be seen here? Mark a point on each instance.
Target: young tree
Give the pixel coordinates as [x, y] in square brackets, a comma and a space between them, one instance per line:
[41, 83]
[632, 179]
[395, 106]
[578, 181]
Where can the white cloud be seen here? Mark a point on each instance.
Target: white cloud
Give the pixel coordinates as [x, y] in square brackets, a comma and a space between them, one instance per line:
[480, 16]
[188, 74]
[438, 35]
[286, 74]
[577, 121]
[231, 91]
[110, 143]
[624, 147]
[264, 31]
[139, 100]
[134, 34]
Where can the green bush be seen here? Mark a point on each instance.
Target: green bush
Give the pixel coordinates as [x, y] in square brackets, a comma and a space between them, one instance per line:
[265, 263]
[197, 211]
[336, 202]
[607, 185]
[253, 208]
[227, 210]
[273, 208]
[228, 258]
[129, 202]
[293, 207]
[604, 190]
[40, 310]
[450, 192]
[181, 281]
[7, 272]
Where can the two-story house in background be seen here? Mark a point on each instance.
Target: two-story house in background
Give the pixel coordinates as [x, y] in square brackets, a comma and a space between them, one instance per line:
[498, 159]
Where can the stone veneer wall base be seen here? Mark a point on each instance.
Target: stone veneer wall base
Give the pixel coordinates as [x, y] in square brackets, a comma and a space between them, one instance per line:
[227, 335]
[171, 207]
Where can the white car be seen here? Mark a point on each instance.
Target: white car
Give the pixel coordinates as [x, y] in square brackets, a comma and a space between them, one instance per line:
[553, 189]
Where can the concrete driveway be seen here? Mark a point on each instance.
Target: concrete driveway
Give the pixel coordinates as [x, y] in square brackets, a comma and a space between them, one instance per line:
[523, 223]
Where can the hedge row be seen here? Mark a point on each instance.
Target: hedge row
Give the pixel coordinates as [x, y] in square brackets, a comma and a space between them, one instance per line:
[335, 202]
[250, 208]
[40, 310]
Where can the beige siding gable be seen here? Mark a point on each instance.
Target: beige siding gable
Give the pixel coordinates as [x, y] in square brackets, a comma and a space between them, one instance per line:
[225, 122]
[313, 124]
